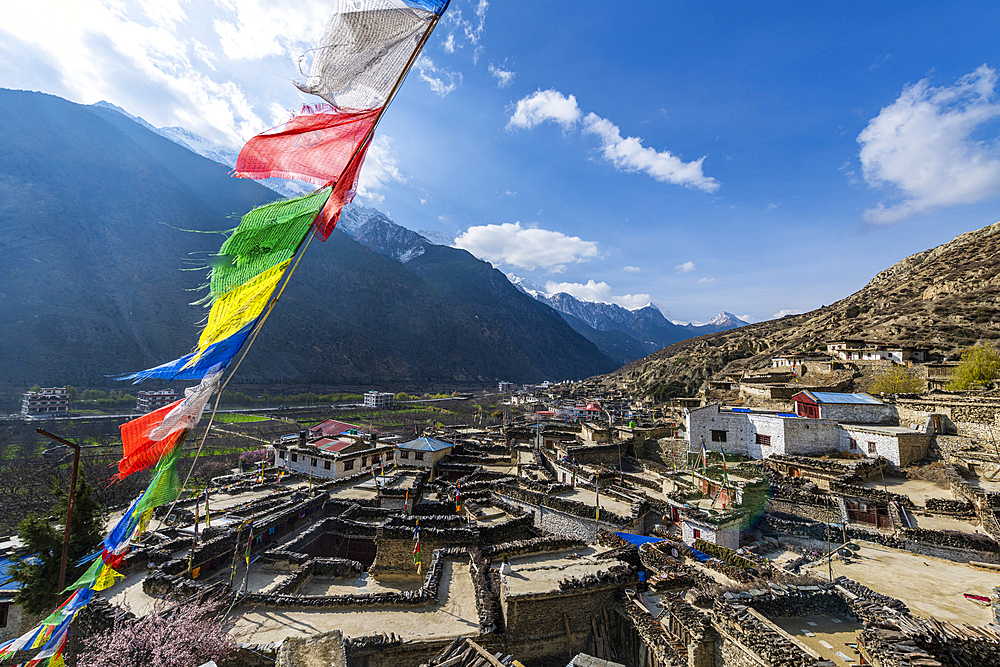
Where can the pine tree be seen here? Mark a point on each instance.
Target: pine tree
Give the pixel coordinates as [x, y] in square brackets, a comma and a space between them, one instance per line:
[39, 573]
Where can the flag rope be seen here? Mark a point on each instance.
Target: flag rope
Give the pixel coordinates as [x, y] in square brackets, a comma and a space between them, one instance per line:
[300, 252]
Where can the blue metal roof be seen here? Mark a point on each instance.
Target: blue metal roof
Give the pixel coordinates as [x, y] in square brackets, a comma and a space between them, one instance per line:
[6, 583]
[426, 444]
[832, 397]
[637, 539]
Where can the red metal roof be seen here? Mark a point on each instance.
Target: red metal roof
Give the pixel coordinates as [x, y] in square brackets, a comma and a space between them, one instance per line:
[334, 427]
[331, 445]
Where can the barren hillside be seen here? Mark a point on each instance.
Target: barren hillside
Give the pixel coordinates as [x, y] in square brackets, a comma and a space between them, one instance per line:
[946, 298]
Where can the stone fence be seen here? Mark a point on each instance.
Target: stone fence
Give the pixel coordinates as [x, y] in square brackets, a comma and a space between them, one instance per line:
[426, 594]
[318, 567]
[867, 493]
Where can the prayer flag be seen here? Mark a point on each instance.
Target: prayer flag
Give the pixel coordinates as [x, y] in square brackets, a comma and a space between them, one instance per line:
[267, 236]
[317, 146]
[367, 47]
[139, 450]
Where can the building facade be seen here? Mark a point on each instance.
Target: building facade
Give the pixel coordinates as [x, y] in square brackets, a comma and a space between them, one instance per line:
[331, 459]
[759, 435]
[378, 399]
[52, 400]
[147, 401]
[422, 453]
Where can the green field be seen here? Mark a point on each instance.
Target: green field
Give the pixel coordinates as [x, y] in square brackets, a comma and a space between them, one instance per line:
[239, 418]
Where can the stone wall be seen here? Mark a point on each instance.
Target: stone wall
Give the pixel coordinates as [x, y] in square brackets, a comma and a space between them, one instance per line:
[391, 651]
[423, 596]
[540, 616]
[878, 495]
[743, 635]
[860, 413]
[534, 545]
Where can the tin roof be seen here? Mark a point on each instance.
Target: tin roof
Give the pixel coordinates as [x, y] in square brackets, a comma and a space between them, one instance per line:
[426, 444]
[837, 398]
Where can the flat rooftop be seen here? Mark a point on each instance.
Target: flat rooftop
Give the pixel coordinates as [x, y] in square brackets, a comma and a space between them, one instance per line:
[541, 573]
[918, 490]
[588, 496]
[827, 635]
[929, 586]
[454, 616]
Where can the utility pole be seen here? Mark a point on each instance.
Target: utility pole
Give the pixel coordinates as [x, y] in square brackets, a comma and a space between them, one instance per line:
[69, 503]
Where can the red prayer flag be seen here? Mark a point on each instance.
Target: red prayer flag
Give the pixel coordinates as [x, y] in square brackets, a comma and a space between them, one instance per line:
[315, 146]
[343, 193]
[140, 452]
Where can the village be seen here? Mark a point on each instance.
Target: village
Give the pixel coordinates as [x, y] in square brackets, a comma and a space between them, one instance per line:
[751, 525]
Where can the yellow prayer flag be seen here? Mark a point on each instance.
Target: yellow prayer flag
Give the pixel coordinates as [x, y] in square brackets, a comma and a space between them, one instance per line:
[237, 308]
[106, 578]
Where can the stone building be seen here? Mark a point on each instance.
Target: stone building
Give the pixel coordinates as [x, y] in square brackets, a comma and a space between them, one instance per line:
[761, 434]
[331, 458]
[849, 408]
[422, 452]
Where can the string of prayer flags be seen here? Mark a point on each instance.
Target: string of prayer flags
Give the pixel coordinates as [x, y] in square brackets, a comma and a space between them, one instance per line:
[366, 51]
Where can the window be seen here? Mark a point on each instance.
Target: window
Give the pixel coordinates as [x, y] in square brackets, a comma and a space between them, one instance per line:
[326, 465]
[313, 463]
[718, 436]
[283, 454]
[403, 454]
[419, 456]
[871, 448]
[295, 457]
[364, 461]
[349, 465]
[764, 440]
[697, 533]
[854, 444]
[4, 608]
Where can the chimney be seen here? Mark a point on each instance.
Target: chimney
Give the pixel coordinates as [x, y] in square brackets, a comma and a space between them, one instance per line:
[303, 436]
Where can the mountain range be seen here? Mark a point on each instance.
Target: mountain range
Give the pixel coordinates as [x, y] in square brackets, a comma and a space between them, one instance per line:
[106, 228]
[945, 299]
[621, 333]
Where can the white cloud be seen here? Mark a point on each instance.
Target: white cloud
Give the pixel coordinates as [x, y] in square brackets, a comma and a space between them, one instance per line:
[925, 145]
[630, 155]
[261, 28]
[504, 77]
[470, 31]
[435, 76]
[686, 267]
[380, 169]
[748, 318]
[633, 269]
[782, 313]
[543, 105]
[525, 247]
[626, 154]
[706, 280]
[175, 63]
[600, 292]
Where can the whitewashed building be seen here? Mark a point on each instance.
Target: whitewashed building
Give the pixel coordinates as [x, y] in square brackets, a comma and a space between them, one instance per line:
[760, 434]
[378, 400]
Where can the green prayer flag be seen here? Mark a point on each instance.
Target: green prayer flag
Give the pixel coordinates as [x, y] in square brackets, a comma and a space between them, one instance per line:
[88, 578]
[266, 237]
[165, 486]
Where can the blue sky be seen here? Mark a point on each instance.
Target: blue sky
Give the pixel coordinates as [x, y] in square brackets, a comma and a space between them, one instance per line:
[757, 159]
